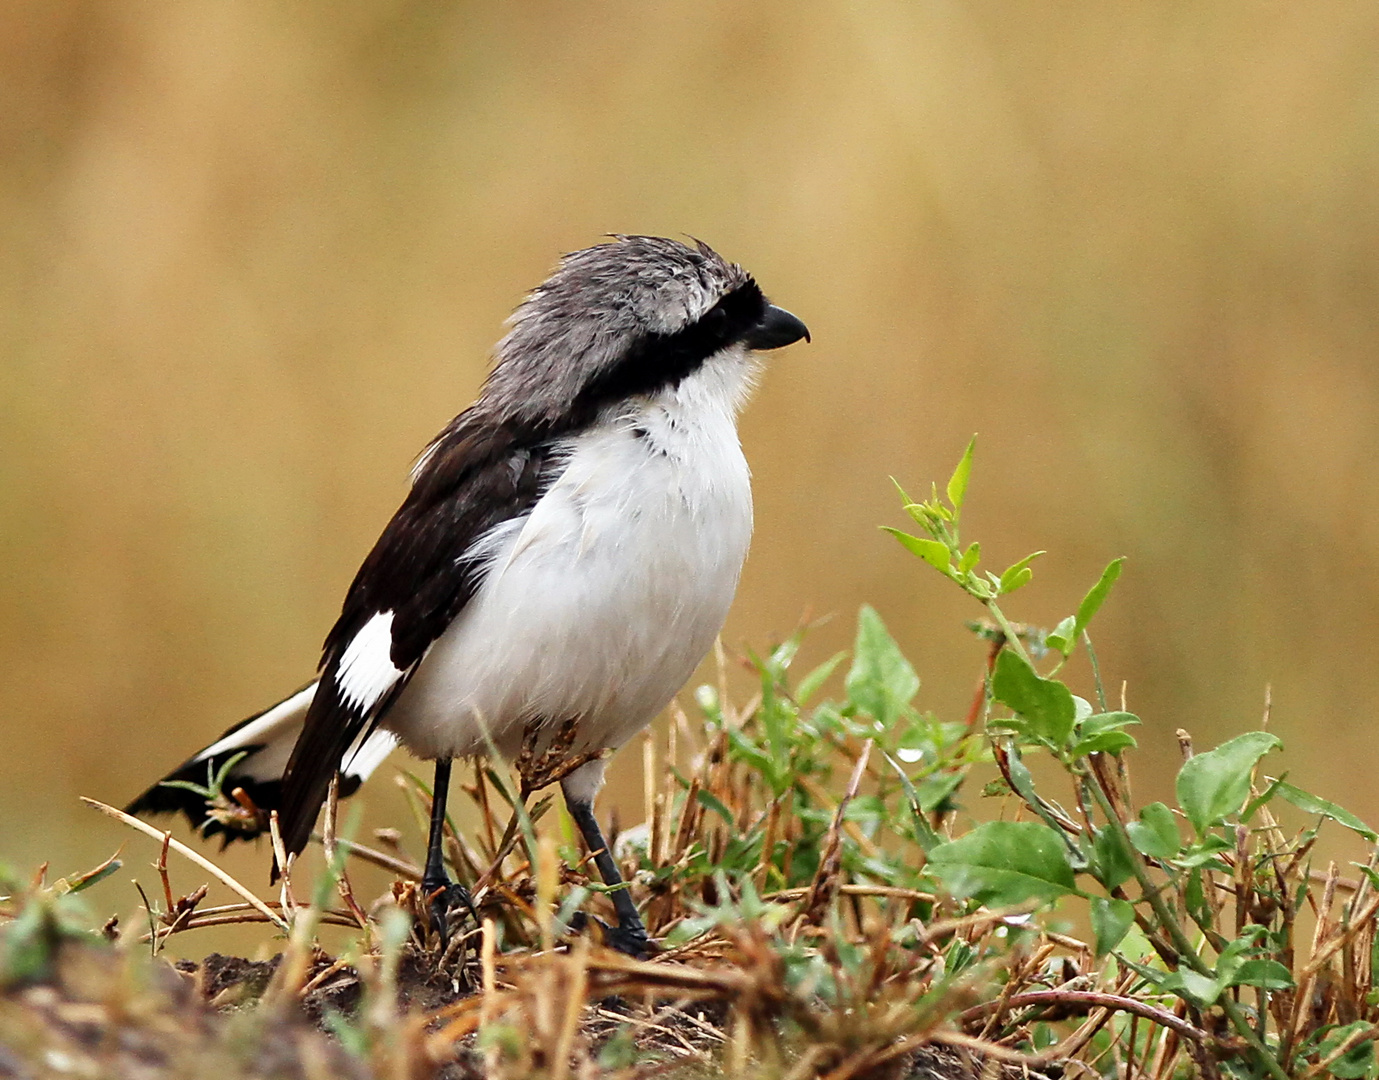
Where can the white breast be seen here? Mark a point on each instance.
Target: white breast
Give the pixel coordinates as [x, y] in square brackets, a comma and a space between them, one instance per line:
[599, 604]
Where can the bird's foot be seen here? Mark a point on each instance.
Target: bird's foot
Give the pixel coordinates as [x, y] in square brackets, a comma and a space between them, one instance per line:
[629, 939]
[446, 899]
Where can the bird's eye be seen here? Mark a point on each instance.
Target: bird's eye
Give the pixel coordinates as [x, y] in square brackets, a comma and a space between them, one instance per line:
[714, 320]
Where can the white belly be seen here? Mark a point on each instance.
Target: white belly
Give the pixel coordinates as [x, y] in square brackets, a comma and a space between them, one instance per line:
[600, 604]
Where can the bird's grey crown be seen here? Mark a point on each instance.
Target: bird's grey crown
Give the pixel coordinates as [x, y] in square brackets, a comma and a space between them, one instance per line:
[600, 306]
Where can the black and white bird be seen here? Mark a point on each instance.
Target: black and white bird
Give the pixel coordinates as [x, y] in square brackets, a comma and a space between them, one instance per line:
[564, 558]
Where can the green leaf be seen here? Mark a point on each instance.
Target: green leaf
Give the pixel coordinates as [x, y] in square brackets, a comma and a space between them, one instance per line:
[1017, 580]
[1355, 1062]
[1062, 636]
[881, 683]
[1155, 833]
[1023, 783]
[1195, 897]
[1107, 721]
[1096, 596]
[928, 839]
[1112, 862]
[1207, 851]
[934, 552]
[1237, 951]
[937, 789]
[29, 945]
[714, 803]
[1154, 976]
[957, 483]
[1111, 919]
[91, 877]
[1106, 742]
[970, 557]
[810, 684]
[1312, 804]
[218, 784]
[1046, 703]
[1200, 990]
[1215, 785]
[1264, 798]
[1013, 577]
[744, 749]
[188, 785]
[1264, 973]
[1005, 863]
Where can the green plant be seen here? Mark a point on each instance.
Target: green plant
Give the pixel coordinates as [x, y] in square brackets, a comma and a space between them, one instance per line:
[1136, 867]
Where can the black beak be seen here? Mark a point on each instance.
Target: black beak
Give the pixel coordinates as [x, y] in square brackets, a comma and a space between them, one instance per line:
[777, 329]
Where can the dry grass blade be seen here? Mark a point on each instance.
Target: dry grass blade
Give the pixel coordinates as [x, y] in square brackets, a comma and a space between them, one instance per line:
[176, 845]
[826, 879]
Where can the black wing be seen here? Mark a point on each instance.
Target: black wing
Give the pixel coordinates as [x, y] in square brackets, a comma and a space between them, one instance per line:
[477, 474]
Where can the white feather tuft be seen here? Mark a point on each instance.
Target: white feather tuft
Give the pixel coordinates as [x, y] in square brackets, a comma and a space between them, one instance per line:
[366, 670]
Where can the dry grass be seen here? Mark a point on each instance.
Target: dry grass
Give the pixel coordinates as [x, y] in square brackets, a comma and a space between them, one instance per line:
[804, 936]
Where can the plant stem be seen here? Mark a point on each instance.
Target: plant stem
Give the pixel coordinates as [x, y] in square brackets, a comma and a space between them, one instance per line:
[1179, 937]
[1247, 1033]
[1012, 638]
[1096, 671]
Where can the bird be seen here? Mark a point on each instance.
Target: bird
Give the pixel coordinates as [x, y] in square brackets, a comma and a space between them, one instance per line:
[565, 555]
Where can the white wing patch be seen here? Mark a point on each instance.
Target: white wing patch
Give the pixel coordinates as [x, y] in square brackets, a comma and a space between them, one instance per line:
[283, 722]
[366, 669]
[369, 754]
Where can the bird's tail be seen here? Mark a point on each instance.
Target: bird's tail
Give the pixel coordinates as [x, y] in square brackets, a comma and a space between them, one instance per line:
[228, 788]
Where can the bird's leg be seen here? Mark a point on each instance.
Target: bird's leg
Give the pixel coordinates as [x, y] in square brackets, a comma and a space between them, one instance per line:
[629, 936]
[442, 894]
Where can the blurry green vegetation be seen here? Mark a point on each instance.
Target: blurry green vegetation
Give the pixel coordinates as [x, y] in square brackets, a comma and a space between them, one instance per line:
[844, 886]
[253, 256]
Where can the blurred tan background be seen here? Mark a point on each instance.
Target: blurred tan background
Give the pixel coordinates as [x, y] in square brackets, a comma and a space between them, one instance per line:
[252, 256]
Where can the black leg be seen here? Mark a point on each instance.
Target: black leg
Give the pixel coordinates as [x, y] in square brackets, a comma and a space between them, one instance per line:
[629, 936]
[435, 882]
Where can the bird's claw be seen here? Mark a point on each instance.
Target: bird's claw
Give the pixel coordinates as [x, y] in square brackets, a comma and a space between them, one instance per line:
[631, 941]
[444, 898]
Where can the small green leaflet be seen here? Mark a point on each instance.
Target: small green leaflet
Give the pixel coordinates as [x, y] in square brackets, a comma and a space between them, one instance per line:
[1091, 603]
[1262, 972]
[957, 483]
[1018, 575]
[880, 683]
[1155, 833]
[1111, 864]
[1005, 864]
[1213, 786]
[711, 802]
[1046, 703]
[1312, 804]
[1103, 733]
[934, 552]
[1111, 919]
[1061, 637]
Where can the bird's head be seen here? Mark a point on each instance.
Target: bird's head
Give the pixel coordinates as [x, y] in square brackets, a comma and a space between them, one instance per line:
[630, 317]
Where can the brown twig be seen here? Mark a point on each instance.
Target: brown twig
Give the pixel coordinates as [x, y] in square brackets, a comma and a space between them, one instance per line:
[1087, 999]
